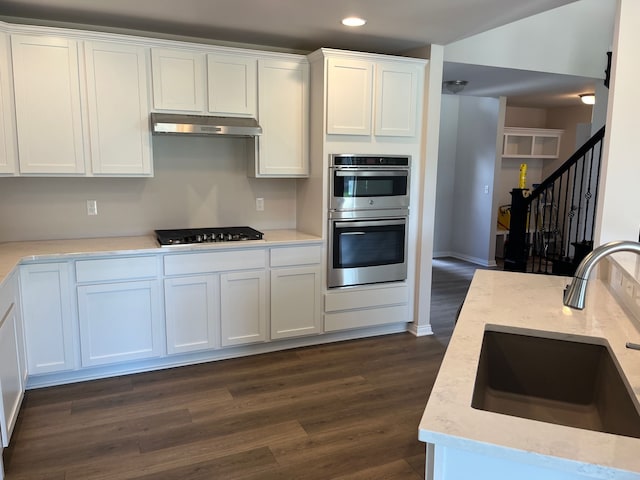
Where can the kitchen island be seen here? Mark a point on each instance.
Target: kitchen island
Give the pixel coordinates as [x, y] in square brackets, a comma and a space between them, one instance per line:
[465, 442]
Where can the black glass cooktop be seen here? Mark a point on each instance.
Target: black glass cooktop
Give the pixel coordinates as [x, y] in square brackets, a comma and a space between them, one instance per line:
[186, 236]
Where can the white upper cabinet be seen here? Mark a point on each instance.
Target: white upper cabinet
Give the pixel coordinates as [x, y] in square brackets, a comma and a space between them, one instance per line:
[76, 118]
[47, 98]
[232, 85]
[226, 85]
[283, 92]
[178, 80]
[396, 94]
[349, 90]
[118, 105]
[8, 151]
[373, 96]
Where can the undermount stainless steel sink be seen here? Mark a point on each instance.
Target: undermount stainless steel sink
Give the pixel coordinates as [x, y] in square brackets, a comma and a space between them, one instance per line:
[564, 382]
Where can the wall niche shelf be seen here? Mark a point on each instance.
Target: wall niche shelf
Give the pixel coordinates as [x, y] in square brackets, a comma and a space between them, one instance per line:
[531, 142]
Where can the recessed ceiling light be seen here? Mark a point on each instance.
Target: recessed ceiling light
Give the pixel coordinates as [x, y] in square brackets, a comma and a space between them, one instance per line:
[588, 98]
[353, 21]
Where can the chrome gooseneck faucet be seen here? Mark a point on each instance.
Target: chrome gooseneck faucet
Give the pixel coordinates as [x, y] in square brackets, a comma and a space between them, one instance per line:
[576, 292]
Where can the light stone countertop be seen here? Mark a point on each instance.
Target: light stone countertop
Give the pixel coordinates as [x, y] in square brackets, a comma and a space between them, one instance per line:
[515, 302]
[13, 253]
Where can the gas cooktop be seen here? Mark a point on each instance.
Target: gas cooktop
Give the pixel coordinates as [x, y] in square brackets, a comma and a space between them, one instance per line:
[187, 236]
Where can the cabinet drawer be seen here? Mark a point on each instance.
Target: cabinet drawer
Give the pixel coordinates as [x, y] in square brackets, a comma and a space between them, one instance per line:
[214, 262]
[365, 318]
[289, 256]
[375, 297]
[116, 269]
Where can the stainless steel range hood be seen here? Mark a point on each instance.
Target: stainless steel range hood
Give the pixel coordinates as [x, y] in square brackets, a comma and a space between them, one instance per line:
[168, 123]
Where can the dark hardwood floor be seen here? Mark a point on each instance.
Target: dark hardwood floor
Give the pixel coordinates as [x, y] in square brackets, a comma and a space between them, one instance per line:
[348, 410]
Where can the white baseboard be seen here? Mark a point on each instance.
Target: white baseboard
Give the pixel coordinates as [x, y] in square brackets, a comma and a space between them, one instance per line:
[420, 330]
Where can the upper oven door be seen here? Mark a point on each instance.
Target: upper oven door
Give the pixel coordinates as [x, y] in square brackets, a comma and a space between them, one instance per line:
[375, 188]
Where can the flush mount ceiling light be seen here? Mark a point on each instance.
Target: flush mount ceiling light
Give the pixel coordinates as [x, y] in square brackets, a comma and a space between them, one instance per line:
[588, 98]
[455, 86]
[353, 21]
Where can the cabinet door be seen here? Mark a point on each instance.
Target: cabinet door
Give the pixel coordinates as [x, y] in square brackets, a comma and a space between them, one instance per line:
[11, 387]
[396, 99]
[283, 148]
[118, 105]
[8, 151]
[119, 321]
[47, 98]
[349, 96]
[48, 324]
[295, 301]
[178, 80]
[243, 307]
[192, 306]
[232, 85]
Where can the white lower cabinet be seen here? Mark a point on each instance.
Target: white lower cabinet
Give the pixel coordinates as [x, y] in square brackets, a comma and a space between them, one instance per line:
[11, 361]
[296, 280]
[119, 321]
[119, 310]
[367, 307]
[243, 307]
[11, 386]
[295, 302]
[192, 313]
[47, 317]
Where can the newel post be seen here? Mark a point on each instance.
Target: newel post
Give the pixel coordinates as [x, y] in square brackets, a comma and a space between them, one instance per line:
[516, 249]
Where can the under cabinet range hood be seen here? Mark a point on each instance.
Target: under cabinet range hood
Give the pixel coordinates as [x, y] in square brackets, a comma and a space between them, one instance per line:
[176, 124]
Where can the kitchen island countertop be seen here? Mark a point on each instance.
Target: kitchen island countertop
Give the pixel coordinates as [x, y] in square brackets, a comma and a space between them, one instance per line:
[531, 304]
[12, 253]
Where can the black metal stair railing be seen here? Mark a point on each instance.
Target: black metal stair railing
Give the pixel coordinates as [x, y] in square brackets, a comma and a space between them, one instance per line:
[551, 228]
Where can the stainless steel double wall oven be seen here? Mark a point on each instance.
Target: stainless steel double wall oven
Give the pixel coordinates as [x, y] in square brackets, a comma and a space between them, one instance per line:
[368, 219]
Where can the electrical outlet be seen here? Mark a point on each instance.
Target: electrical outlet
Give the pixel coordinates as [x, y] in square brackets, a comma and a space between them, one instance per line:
[486, 189]
[259, 204]
[92, 207]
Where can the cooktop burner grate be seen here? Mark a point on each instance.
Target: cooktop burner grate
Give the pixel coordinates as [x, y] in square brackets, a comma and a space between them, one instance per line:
[189, 236]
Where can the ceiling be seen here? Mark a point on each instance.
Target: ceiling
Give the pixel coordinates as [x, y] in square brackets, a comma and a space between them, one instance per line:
[305, 25]
[522, 88]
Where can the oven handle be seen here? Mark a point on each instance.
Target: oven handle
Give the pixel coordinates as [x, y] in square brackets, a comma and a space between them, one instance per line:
[372, 173]
[364, 223]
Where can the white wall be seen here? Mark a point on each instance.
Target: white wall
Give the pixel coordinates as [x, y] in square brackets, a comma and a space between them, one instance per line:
[572, 39]
[526, 117]
[469, 215]
[566, 119]
[198, 182]
[446, 175]
[618, 205]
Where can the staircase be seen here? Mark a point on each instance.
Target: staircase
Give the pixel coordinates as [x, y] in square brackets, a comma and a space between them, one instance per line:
[551, 228]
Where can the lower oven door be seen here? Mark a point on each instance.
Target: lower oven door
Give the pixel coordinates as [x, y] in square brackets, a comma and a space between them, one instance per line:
[367, 251]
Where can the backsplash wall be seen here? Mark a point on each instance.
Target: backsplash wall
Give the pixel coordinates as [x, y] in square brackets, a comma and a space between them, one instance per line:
[199, 181]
